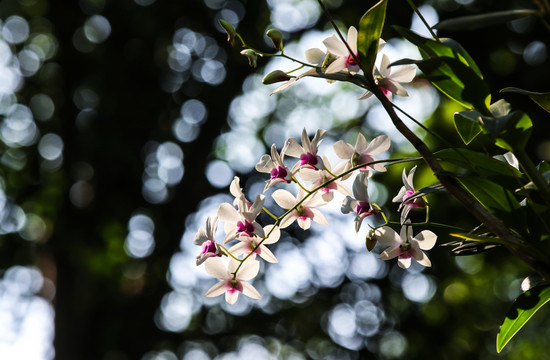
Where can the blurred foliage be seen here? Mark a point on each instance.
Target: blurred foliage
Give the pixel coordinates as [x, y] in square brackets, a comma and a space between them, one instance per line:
[118, 96]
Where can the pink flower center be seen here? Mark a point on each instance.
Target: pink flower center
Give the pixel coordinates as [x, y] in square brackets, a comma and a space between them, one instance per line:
[304, 213]
[359, 159]
[351, 60]
[418, 202]
[251, 245]
[279, 172]
[405, 250]
[308, 159]
[246, 227]
[363, 208]
[233, 286]
[209, 247]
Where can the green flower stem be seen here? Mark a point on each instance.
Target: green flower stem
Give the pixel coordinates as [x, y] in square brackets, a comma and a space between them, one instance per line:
[299, 184]
[298, 68]
[269, 213]
[229, 254]
[530, 169]
[413, 6]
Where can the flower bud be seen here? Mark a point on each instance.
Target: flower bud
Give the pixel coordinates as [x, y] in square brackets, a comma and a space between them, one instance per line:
[371, 240]
[275, 77]
[230, 30]
[251, 55]
[276, 38]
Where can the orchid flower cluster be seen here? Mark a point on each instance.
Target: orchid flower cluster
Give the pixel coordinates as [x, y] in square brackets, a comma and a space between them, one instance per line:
[317, 181]
[339, 59]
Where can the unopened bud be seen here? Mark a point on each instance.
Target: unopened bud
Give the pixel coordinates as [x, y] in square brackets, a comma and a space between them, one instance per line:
[251, 55]
[276, 38]
[275, 77]
[230, 30]
[371, 240]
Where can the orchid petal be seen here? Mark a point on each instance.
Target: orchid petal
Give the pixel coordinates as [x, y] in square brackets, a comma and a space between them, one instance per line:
[404, 263]
[216, 268]
[390, 253]
[404, 74]
[387, 236]
[267, 255]
[284, 198]
[426, 239]
[250, 291]
[378, 145]
[216, 290]
[248, 270]
[336, 47]
[231, 297]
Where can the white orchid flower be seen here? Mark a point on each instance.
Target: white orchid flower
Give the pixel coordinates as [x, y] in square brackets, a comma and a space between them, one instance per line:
[362, 153]
[304, 213]
[405, 192]
[404, 246]
[360, 205]
[232, 285]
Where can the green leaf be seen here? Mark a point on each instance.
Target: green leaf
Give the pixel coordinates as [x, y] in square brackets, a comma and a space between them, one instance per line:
[525, 306]
[426, 190]
[370, 31]
[497, 200]
[456, 80]
[479, 163]
[472, 22]
[511, 131]
[467, 125]
[479, 238]
[433, 48]
[542, 99]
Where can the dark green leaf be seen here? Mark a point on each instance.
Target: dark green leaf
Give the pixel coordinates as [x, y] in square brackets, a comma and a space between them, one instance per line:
[467, 125]
[542, 99]
[478, 162]
[456, 80]
[497, 200]
[483, 20]
[466, 248]
[433, 48]
[525, 306]
[511, 131]
[370, 30]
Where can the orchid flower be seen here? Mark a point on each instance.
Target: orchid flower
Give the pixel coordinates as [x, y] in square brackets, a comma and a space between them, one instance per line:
[345, 60]
[320, 177]
[205, 238]
[304, 213]
[231, 285]
[360, 205]
[362, 153]
[404, 246]
[248, 244]
[275, 166]
[405, 192]
[389, 82]
[243, 220]
[307, 152]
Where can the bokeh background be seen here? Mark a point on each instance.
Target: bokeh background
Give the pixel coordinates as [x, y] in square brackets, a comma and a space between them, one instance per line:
[122, 124]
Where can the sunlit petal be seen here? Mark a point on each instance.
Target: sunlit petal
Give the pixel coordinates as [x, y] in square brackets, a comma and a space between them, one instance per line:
[426, 239]
[387, 236]
[215, 267]
[251, 291]
[216, 290]
[248, 270]
[284, 198]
